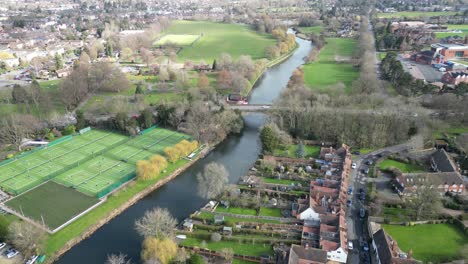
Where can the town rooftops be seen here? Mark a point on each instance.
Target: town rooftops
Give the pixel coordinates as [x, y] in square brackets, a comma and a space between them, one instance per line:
[301, 255]
[450, 46]
[437, 179]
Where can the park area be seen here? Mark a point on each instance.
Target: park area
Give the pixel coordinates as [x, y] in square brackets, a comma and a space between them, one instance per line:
[81, 168]
[178, 40]
[217, 38]
[429, 242]
[326, 71]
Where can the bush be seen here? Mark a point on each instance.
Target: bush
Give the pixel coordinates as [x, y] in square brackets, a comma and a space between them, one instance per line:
[196, 259]
[69, 130]
[216, 237]
[10, 156]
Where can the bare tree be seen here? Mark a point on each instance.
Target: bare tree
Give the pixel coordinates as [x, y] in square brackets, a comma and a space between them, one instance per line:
[157, 222]
[212, 181]
[425, 202]
[15, 127]
[26, 237]
[118, 259]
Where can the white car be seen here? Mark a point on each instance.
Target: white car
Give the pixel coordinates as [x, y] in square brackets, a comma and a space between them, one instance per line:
[12, 253]
[32, 259]
[350, 245]
[2, 245]
[353, 165]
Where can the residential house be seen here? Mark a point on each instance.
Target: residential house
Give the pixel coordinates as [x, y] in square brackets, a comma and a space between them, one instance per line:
[450, 51]
[444, 178]
[307, 255]
[324, 212]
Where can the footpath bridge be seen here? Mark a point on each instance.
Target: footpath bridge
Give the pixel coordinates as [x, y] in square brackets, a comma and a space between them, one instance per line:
[251, 107]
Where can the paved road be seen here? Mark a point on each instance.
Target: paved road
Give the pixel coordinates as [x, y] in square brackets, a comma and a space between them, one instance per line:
[357, 226]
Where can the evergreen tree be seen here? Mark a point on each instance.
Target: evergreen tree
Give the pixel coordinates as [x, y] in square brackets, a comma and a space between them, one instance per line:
[300, 150]
[58, 61]
[269, 139]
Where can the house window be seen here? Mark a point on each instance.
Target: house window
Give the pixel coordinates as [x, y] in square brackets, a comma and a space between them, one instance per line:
[459, 54]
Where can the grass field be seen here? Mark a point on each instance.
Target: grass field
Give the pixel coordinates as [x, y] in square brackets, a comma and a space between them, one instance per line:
[403, 167]
[178, 40]
[278, 181]
[210, 216]
[290, 151]
[218, 38]
[326, 71]
[275, 212]
[314, 29]
[463, 28]
[430, 242]
[55, 203]
[236, 210]
[414, 14]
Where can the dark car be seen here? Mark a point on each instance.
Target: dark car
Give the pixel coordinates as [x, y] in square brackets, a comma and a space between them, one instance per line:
[362, 212]
[362, 196]
[349, 203]
[350, 190]
[365, 246]
[356, 153]
[365, 170]
[369, 162]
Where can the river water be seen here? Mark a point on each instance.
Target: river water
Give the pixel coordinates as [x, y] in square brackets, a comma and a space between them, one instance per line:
[237, 153]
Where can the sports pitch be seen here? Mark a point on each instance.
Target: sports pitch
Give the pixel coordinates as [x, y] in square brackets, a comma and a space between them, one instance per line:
[91, 163]
[77, 171]
[177, 39]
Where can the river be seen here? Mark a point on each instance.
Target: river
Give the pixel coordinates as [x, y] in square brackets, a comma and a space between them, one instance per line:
[237, 153]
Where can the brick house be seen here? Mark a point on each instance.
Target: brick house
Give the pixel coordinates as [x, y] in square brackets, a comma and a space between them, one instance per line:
[455, 78]
[387, 251]
[444, 178]
[450, 51]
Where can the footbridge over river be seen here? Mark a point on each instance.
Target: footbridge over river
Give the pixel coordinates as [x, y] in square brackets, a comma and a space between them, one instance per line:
[250, 107]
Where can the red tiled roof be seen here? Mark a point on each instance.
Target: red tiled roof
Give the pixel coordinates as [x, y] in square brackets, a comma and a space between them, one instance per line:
[329, 228]
[329, 245]
[310, 229]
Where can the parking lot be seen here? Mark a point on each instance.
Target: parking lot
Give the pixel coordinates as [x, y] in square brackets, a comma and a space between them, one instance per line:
[420, 71]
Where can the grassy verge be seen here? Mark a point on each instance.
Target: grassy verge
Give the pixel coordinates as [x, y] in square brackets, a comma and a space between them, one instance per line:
[429, 242]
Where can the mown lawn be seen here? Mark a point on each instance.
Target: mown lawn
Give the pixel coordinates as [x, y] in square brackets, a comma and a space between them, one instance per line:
[275, 212]
[290, 151]
[430, 242]
[403, 167]
[218, 38]
[278, 181]
[210, 216]
[314, 29]
[326, 72]
[236, 210]
[242, 249]
[414, 14]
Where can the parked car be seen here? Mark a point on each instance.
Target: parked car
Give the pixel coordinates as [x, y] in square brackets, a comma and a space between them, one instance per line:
[369, 162]
[349, 203]
[32, 259]
[362, 212]
[2, 245]
[365, 170]
[350, 245]
[12, 253]
[362, 196]
[356, 152]
[353, 165]
[350, 190]
[365, 246]
[7, 251]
